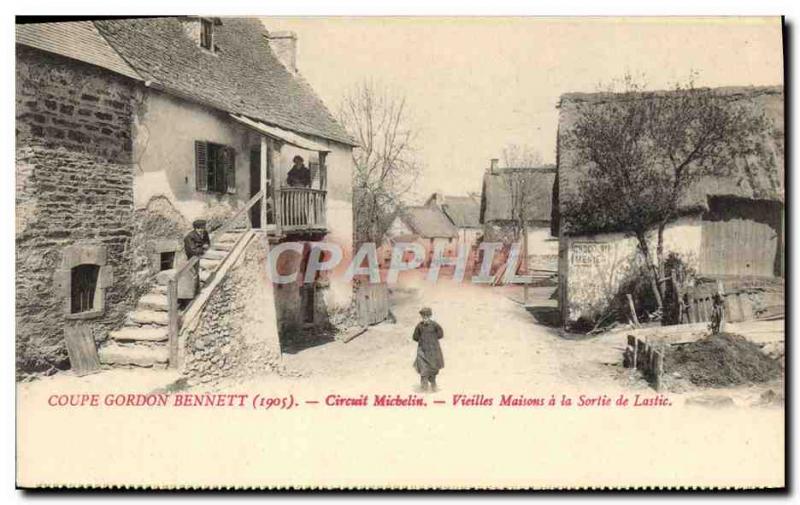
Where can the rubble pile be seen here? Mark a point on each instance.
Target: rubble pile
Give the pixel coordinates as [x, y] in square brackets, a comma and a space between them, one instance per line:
[725, 359]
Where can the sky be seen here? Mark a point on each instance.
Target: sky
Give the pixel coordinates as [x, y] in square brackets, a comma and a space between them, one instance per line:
[475, 85]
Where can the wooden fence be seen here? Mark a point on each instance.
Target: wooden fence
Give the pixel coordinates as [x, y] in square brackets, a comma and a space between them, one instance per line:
[647, 358]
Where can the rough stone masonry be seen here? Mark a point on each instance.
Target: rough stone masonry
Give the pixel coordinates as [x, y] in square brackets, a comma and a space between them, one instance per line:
[74, 187]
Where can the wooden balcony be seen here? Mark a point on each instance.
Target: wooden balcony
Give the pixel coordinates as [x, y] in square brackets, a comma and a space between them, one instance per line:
[301, 209]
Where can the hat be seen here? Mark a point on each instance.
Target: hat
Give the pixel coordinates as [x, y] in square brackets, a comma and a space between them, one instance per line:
[297, 158]
[425, 311]
[199, 223]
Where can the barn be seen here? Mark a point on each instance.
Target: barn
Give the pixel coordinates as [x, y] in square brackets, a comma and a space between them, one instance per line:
[731, 228]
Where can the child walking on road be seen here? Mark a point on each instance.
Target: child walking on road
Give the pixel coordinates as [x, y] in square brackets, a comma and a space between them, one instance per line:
[429, 353]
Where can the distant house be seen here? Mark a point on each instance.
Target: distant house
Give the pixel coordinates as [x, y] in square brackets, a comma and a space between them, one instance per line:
[497, 218]
[127, 131]
[464, 212]
[426, 225]
[731, 228]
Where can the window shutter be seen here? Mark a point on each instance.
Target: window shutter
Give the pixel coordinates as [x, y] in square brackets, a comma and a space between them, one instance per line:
[230, 169]
[201, 165]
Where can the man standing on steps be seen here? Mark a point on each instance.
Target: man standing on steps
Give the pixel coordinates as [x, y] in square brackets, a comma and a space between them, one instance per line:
[195, 243]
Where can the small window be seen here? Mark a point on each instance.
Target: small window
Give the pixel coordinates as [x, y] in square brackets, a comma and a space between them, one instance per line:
[206, 34]
[215, 167]
[83, 288]
[167, 260]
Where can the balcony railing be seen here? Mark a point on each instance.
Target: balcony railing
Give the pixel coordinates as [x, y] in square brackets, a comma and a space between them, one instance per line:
[302, 209]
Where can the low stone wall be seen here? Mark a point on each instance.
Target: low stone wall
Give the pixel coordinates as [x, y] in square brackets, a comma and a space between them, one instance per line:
[237, 333]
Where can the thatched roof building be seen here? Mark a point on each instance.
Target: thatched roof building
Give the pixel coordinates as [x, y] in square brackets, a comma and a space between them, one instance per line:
[759, 177]
[428, 222]
[496, 200]
[463, 211]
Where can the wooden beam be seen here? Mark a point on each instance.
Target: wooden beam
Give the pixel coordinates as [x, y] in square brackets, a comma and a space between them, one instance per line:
[277, 179]
[174, 321]
[264, 195]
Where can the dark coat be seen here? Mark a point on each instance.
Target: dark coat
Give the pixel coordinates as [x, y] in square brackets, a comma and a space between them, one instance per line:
[193, 243]
[429, 353]
[189, 282]
[299, 177]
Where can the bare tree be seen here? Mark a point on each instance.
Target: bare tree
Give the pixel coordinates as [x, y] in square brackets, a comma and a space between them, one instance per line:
[386, 167]
[644, 151]
[523, 190]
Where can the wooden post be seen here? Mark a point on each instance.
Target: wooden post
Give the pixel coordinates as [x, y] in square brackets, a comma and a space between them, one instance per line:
[525, 256]
[323, 171]
[265, 196]
[633, 309]
[658, 369]
[277, 175]
[172, 301]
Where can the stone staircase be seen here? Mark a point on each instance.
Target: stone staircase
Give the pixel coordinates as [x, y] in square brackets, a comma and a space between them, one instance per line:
[142, 340]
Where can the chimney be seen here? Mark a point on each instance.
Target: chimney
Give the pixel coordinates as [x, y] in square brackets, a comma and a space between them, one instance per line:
[493, 165]
[284, 45]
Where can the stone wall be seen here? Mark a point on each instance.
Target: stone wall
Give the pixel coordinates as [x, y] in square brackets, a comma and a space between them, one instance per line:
[592, 267]
[74, 189]
[237, 332]
[156, 225]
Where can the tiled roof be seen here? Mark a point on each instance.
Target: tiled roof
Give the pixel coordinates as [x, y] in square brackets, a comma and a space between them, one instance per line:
[243, 76]
[463, 211]
[428, 222]
[78, 40]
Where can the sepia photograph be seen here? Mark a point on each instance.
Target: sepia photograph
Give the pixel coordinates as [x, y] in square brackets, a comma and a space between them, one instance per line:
[400, 253]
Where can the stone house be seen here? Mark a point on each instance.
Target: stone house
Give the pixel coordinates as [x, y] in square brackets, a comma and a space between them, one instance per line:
[464, 212]
[425, 225]
[497, 216]
[127, 131]
[731, 228]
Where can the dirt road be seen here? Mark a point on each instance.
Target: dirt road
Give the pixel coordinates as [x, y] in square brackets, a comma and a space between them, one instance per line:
[491, 344]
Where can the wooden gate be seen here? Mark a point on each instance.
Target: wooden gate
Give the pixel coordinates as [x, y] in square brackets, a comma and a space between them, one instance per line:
[372, 301]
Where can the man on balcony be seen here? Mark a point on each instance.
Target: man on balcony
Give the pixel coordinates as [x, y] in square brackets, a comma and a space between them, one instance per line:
[299, 175]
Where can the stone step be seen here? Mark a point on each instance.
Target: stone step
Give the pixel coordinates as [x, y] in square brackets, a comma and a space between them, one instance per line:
[153, 302]
[136, 355]
[159, 289]
[222, 246]
[214, 254]
[140, 334]
[163, 277]
[209, 264]
[150, 317]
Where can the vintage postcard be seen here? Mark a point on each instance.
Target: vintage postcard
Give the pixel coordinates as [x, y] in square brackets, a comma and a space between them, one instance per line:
[400, 253]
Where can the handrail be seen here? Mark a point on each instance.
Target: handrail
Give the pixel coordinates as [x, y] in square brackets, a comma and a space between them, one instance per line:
[297, 189]
[222, 229]
[172, 286]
